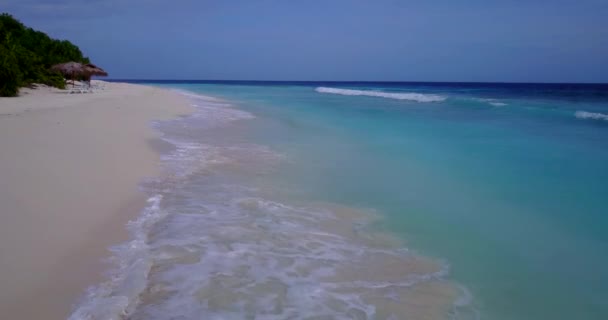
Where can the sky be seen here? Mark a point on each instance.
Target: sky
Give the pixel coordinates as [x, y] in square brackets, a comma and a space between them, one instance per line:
[356, 40]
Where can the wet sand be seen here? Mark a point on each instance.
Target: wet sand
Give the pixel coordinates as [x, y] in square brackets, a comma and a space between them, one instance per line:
[70, 165]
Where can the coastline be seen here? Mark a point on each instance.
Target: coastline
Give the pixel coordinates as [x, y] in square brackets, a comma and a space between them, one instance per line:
[70, 166]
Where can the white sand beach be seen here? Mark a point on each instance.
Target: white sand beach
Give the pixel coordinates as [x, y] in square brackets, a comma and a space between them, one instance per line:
[70, 165]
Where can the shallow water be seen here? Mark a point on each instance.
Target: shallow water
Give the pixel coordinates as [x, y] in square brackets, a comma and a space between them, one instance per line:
[372, 201]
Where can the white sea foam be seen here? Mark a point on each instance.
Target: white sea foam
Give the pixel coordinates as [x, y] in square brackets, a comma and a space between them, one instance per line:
[213, 110]
[247, 257]
[118, 296]
[199, 96]
[493, 102]
[591, 115]
[218, 251]
[411, 96]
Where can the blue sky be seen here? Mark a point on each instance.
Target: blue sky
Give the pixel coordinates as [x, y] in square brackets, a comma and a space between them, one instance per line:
[392, 40]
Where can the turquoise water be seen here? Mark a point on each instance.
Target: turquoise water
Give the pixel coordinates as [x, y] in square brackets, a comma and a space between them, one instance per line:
[510, 188]
[374, 201]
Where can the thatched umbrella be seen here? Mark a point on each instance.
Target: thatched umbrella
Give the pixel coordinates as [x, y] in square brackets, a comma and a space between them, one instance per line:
[94, 70]
[68, 68]
[71, 70]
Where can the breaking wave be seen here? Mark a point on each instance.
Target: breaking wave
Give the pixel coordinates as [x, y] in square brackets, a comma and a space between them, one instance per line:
[591, 115]
[411, 96]
[492, 102]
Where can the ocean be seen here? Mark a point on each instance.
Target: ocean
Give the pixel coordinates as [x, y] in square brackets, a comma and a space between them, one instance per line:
[362, 200]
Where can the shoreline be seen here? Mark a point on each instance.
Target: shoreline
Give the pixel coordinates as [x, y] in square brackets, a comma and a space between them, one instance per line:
[70, 168]
[201, 232]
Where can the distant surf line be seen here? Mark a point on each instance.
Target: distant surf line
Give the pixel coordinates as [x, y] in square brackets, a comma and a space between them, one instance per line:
[418, 97]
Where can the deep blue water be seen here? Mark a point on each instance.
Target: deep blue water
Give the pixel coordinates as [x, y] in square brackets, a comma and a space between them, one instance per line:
[508, 183]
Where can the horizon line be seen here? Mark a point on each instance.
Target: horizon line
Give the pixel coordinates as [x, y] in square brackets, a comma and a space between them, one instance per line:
[360, 81]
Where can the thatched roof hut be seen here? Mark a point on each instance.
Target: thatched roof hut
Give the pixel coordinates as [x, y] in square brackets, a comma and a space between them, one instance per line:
[73, 70]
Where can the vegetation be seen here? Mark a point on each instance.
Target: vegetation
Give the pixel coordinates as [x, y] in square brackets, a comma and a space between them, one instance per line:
[26, 56]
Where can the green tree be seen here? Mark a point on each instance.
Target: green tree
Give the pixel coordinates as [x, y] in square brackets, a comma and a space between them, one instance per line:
[10, 75]
[26, 56]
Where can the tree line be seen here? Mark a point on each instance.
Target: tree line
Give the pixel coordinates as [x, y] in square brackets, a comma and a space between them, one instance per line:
[26, 56]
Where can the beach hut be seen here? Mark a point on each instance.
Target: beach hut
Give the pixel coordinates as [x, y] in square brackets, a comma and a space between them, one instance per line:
[73, 70]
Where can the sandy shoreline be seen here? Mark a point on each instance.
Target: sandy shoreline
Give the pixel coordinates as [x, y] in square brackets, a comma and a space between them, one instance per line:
[70, 165]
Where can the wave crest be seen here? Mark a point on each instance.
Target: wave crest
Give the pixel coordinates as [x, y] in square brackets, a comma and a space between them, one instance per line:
[412, 96]
[591, 115]
[492, 102]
